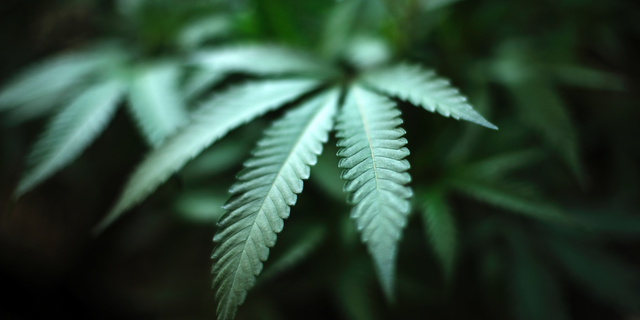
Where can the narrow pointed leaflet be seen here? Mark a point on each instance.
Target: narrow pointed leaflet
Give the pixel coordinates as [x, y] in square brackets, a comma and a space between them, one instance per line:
[156, 102]
[375, 170]
[423, 88]
[262, 60]
[221, 114]
[262, 197]
[70, 132]
[441, 229]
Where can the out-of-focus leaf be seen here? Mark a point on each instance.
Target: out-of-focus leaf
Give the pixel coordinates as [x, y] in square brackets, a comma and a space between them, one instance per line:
[201, 206]
[365, 51]
[326, 174]
[221, 114]
[200, 81]
[604, 276]
[587, 77]
[440, 226]
[70, 132]
[303, 246]
[216, 160]
[353, 295]
[40, 88]
[129, 7]
[198, 32]
[260, 60]
[610, 223]
[517, 197]
[156, 102]
[431, 5]
[536, 292]
[543, 110]
[500, 165]
[339, 26]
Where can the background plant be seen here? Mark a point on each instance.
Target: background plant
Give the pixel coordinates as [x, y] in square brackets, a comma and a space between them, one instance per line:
[510, 64]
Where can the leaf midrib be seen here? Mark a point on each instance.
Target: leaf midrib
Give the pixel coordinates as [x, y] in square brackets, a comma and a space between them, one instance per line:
[295, 145]
[365, 124]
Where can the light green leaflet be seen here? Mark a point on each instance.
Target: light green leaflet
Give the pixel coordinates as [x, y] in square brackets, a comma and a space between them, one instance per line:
[70, 132]
[200, 81]
[261, 60]
[440, 226]
[156, 102]
[262, 197]
[219, 115]
[423, 88]
[40, 88]
[375, 170]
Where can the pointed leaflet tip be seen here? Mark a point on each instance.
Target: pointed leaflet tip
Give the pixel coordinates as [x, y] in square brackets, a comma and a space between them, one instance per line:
[217, 116]
[423, 88]
[70, 132]
[263, 196]
[375, 169]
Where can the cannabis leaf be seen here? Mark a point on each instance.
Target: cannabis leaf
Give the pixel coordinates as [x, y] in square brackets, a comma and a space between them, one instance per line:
[216, 117]
[43, 86]
[515, 196]
[70, 132]
[267, 187]
[423, 88]
[375, 170]
[441, 228]
[156, 101]
[536, 291]
[260, 60]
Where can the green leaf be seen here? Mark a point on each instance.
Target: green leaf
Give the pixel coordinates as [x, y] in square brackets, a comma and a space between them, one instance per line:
[432, 5]
[326, 176]
[603, 275]
[536, 292]
[354, 298]
[200, 81]
[517, 197]
[202, 206]
[41, 87]
[543, 110]
[498, 166]
[339, 26]
[366, 51]
[373, 150]
[156, 102]
[587, 77]
[262, 197]
[196, 33]
[219, 115]
[423, 88]
[260, 60]
[70, 132]
[300, 250]
[441, 228]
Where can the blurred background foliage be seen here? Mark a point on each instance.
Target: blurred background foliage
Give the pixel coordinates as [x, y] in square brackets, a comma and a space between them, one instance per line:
[557, 77]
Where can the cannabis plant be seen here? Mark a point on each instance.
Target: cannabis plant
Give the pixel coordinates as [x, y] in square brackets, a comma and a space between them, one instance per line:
[361, 110]
[85, 87]
[345, 96]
